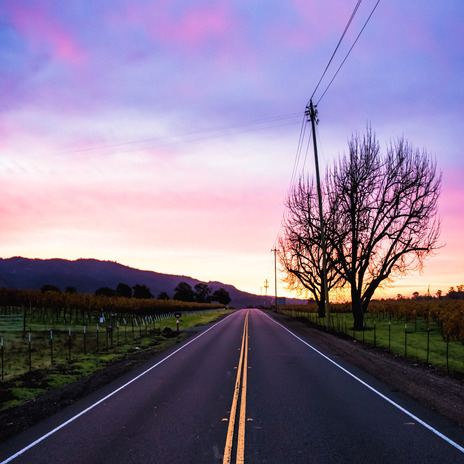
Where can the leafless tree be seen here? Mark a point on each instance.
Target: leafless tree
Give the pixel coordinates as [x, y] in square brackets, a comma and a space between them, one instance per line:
[383, 215]
[300, 251]
[380, 220]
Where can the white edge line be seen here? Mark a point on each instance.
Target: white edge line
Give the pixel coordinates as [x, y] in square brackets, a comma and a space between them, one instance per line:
[64, 424]
[396, 405]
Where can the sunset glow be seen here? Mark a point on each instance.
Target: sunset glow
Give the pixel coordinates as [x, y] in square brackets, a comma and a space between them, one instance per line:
[163, 135]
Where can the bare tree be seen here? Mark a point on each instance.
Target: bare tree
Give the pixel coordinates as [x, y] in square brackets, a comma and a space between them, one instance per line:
[380, 221]
[383, 215]
[300, 251]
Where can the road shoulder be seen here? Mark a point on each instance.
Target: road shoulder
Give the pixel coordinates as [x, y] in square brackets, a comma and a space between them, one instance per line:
[428, 386]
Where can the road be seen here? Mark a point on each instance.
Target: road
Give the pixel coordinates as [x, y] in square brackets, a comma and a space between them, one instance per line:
[244, 390]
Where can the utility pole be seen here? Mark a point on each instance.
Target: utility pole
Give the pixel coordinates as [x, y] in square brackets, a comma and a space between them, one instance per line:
[312, 113]
[266, 286]
[275, 276]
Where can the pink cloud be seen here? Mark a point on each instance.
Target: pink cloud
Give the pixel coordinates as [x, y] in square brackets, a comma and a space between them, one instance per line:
[218, 34]
[450, 202]
[306, 29]
[201, 25]
[189, 27]
[126, 210]
[38, 24]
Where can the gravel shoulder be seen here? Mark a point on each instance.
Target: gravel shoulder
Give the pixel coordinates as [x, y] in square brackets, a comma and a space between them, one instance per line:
[430, 387]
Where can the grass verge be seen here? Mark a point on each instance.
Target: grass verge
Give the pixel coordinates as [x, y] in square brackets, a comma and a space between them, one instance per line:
[30, 385]
[412, 339]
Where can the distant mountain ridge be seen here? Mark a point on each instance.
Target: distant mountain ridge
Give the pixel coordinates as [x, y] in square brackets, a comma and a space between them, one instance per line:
[87, 275]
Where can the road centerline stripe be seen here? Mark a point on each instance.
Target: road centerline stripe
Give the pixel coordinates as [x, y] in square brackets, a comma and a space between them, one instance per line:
[233, 411]
[241, 429]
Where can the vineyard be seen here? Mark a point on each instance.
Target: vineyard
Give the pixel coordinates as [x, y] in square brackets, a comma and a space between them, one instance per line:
[430, 331]
[41, 329]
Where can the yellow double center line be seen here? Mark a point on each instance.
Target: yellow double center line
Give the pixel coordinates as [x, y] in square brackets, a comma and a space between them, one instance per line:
[242, 365]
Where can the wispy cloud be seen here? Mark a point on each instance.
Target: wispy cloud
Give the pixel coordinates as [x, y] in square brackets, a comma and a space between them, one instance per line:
[39, 26]
[110, 128]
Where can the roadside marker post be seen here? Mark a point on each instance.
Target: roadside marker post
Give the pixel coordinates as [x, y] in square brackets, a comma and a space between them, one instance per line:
[177, 316]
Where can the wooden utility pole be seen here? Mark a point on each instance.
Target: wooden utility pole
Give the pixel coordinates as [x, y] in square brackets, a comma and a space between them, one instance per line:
[275, 276]
[312, 113]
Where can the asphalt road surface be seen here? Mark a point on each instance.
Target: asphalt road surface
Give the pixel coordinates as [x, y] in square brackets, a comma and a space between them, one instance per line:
[244, 390]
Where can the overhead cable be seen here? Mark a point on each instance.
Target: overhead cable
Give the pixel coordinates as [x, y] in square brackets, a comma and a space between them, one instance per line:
[338, 45]
[268, 123]
[202, 134]
[349, 51]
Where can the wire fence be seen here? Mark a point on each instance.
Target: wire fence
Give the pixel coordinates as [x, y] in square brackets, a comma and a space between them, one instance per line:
[416, 339]
[30, 341]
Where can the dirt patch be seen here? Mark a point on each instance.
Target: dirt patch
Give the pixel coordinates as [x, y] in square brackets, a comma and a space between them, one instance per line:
[430, 387]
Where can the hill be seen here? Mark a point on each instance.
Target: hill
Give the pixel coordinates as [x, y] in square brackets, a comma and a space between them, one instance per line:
[87, 275]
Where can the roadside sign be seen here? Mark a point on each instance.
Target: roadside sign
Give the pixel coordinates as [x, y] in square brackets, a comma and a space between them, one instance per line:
[177, 315]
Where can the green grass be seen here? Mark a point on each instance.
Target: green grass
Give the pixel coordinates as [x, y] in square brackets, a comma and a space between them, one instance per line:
[193, 320]
[60, 347]
[60, 380]
[65, 371]
[407, 339]
[21, 395]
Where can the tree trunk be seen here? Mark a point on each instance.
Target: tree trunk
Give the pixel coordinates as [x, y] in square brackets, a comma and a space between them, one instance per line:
[321, 307]
[358, 314]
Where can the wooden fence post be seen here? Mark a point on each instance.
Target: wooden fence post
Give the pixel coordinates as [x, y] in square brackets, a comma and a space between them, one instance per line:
[405, 340]
[51, 347]
[30, 353]
[447, 352]
[428, 343]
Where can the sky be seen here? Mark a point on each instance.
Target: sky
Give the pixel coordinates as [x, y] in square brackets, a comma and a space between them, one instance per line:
[164, 135]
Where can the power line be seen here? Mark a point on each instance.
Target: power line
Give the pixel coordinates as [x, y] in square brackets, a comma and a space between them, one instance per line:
[337, 47]
[262, 124]
[355, 10]
[349, 51]
[295, 170]
[298, 154]
[306, 153]
[299, 149]
[302, 131]
[215, 132]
